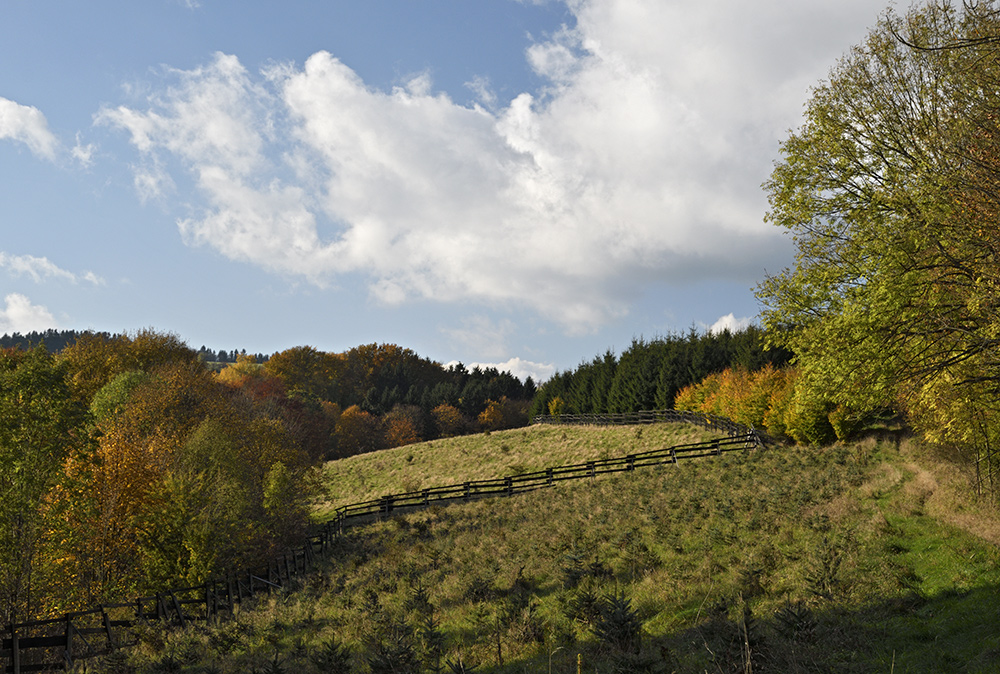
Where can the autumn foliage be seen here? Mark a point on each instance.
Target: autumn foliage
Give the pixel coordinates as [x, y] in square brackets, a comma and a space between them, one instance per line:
[776, 400]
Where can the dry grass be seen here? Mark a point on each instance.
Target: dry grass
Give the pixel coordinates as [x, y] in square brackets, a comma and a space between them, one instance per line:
[488, 455]
[946, 491]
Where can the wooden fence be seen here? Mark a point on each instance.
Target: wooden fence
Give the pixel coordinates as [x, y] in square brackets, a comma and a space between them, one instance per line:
[57, 643]
[709, 421]
[358, 513]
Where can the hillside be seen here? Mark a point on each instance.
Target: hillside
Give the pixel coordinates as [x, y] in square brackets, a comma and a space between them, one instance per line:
[487, 455]
[852, 558]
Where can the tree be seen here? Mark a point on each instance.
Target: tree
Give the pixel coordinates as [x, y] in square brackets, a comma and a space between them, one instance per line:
[890, 190]
[305, 368]
[357, 432]
[448, 420]
[95, 358]
[40, 426]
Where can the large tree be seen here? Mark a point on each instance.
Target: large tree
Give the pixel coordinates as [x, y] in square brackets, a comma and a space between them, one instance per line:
[890, 192]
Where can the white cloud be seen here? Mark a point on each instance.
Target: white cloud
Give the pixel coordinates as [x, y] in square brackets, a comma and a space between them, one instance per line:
[83, 153]
[640, 162]
[731, 323]
[41, 268]
[27, 125]
[520, 368]
[20, 315]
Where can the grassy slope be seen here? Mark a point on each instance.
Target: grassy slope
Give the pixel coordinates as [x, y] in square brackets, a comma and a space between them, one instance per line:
[862, 558]
[488, 455]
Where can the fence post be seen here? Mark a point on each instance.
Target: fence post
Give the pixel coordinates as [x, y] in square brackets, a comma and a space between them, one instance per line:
[68, 654]
[508, 484]
[107, 628]
[548, 477]
[630, 462]
[468, 489]
[15, 652]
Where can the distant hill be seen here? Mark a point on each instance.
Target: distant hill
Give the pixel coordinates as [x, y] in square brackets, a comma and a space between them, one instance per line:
[57, 340]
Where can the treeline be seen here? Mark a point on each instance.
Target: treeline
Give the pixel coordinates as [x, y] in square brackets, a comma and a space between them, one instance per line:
[649, 374]
[53, 340]
[57, 340]
[378, 396]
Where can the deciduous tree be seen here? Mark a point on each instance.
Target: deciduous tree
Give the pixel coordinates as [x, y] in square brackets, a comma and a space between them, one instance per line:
[889, 190]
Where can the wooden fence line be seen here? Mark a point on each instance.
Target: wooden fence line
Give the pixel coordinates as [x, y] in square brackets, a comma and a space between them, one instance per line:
[56, 643]
[710, 421]
[358, 513]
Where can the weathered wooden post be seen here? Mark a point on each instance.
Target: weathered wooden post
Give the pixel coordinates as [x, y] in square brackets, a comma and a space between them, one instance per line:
[15, 651]
[68, 653]
[112, 644]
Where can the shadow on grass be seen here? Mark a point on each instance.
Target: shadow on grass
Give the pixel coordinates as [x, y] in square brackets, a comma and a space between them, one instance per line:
[950, 633]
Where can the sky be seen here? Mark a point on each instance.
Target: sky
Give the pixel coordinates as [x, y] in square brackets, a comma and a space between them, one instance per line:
[520, 183]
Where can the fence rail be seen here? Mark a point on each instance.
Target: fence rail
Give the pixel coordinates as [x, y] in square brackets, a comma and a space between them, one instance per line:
[57, 643]
[366, 511]
[709, 421]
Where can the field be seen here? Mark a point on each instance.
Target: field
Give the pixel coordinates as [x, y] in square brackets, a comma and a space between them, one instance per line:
[861, 558]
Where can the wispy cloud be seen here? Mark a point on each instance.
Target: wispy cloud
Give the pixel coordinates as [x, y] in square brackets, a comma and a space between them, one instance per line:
[26, 124]
[639, 162]
[41, 268]
[20, 315]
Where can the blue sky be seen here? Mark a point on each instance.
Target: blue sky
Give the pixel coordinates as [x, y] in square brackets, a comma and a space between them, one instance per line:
[517, 183]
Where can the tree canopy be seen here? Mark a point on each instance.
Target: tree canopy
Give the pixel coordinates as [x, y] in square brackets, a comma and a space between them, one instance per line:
[889, 190]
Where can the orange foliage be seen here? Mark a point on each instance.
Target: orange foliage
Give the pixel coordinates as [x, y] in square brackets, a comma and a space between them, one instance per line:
[357, 432]
[448, 420]
[502, 414]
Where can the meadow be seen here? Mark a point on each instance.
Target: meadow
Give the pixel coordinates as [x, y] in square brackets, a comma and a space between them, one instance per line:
[861, 557]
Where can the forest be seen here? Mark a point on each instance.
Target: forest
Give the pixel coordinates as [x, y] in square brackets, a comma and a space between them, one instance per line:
[128, 462]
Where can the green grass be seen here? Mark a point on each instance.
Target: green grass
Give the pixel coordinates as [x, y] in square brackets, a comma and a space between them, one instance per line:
[842, 559]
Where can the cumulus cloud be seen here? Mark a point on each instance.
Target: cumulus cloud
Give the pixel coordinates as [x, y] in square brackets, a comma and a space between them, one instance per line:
[639, 162]
[20, 315]
[520, 368]
[41, 268]
[26, 124]
[731, 323]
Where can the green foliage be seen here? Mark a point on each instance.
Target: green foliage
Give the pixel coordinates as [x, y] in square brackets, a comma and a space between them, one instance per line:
[41, 426]
[887, 190]
[112, 397]
[617, 624]
[650, 374]
[780, 401]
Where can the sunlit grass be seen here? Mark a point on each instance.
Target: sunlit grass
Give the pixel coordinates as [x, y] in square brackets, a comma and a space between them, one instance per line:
[488, 455]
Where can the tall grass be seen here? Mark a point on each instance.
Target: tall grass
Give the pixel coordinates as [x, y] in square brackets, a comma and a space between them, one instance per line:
[786, 560]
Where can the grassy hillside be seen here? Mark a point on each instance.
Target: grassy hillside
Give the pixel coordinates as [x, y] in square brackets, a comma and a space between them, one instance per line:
[848, 559]
[488, 455]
